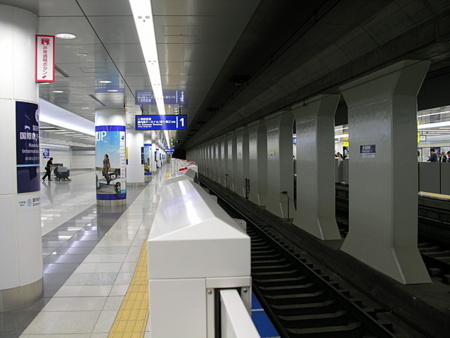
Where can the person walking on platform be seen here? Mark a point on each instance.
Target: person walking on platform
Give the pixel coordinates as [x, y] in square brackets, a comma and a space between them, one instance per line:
[443, 157]
[433, 156]
[48, 169]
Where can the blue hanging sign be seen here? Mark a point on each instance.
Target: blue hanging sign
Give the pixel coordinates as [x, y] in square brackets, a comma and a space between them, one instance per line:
[170, 97]
[161, 122]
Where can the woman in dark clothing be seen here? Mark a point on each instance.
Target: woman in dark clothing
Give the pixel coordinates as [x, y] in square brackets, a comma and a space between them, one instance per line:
[48, 169]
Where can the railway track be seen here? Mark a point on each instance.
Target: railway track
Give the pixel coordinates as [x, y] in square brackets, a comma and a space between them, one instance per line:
[300, 299]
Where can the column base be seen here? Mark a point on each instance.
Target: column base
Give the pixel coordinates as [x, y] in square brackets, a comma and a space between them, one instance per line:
[111, 203]
[21, 296]
[324, 228]
[405, 265]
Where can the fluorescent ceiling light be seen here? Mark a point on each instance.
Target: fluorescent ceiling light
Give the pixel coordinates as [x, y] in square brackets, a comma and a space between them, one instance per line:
[104, 81]
[341, 135]
[58, 91]
[143, 19]
[57, 116]
[433, 125]
[66, 36]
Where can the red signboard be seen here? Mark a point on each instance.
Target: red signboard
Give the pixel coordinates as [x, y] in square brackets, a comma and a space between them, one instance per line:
[45, 58]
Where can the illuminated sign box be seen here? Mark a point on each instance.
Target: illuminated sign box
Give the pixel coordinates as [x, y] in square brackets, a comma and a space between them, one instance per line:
[45, 58]
[161, 122]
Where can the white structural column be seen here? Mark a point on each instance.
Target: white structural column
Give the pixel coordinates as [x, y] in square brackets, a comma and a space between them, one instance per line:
[382, 120]
[239, 179]
[20, 225]
[231, 160]
[216, 174]
[315, 167]
[257, 162]
[223, 163]
[110, 162]
[280, 165]
[135, 167]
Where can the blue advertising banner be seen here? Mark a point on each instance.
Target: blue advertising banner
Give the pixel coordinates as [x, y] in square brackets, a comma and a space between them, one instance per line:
[27, 147]
[110, 162]
[161, 122]
[170, 97]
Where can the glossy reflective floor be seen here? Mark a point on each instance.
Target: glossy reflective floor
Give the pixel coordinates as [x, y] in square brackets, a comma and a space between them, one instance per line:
[89, 255]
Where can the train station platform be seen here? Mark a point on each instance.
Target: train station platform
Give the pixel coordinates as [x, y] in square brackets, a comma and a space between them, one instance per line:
[95, 265]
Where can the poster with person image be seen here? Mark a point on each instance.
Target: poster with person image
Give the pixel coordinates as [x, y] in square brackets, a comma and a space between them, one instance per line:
[110, 162]
[147, 158]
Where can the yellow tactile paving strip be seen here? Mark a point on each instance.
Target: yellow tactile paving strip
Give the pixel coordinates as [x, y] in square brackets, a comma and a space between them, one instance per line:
[132, 317]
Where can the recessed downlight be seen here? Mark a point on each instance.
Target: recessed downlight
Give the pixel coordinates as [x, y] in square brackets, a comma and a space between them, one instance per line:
[66, 36]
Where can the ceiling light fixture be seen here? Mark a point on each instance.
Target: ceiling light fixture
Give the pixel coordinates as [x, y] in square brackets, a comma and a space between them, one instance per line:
[66, 36]
[112, 90]
[81, 54]
[104, 81]
[143, 20]
[58, 91]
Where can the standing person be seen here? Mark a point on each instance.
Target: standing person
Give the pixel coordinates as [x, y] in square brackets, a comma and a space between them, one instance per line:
[106, 166]
[48, 168]
[443, 157]
[433, 156]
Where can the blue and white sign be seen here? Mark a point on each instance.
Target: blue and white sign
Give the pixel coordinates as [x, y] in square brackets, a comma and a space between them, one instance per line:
[27, 147]
[161, 122]
[367, 151]
[46, 153]
[170, 97]
[170, 151]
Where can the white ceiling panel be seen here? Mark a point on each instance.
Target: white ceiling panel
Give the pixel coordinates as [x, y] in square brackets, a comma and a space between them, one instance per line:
[105, 7]
[74, 25]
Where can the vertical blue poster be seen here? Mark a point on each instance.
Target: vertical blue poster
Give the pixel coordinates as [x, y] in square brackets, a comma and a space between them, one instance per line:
[27, 147]
[110, 162]
[147, 158]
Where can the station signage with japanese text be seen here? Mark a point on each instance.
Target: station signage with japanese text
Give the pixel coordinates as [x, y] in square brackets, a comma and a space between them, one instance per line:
[161, 122]
[45, 58]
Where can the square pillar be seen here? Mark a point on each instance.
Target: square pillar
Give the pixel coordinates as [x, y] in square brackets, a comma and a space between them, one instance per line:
[280, 170]
[257, 162]
[383, 193]
[315, 167]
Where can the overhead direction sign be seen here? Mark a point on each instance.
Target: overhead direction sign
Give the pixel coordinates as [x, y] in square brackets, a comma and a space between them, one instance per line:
[170, 97]
[161, 122]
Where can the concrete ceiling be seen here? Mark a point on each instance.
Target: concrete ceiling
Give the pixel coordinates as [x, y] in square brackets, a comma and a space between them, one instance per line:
[236, 60]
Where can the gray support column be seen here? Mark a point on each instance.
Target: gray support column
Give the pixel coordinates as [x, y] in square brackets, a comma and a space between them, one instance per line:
[239, 178]
[223, 172]
[315, 167]
[257, 162]
[135, 167]
[382, 119]
[280, 165]
[231, 160]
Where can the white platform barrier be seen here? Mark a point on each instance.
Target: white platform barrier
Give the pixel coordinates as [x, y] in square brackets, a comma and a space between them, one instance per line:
[195, 250]
[235, 320]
